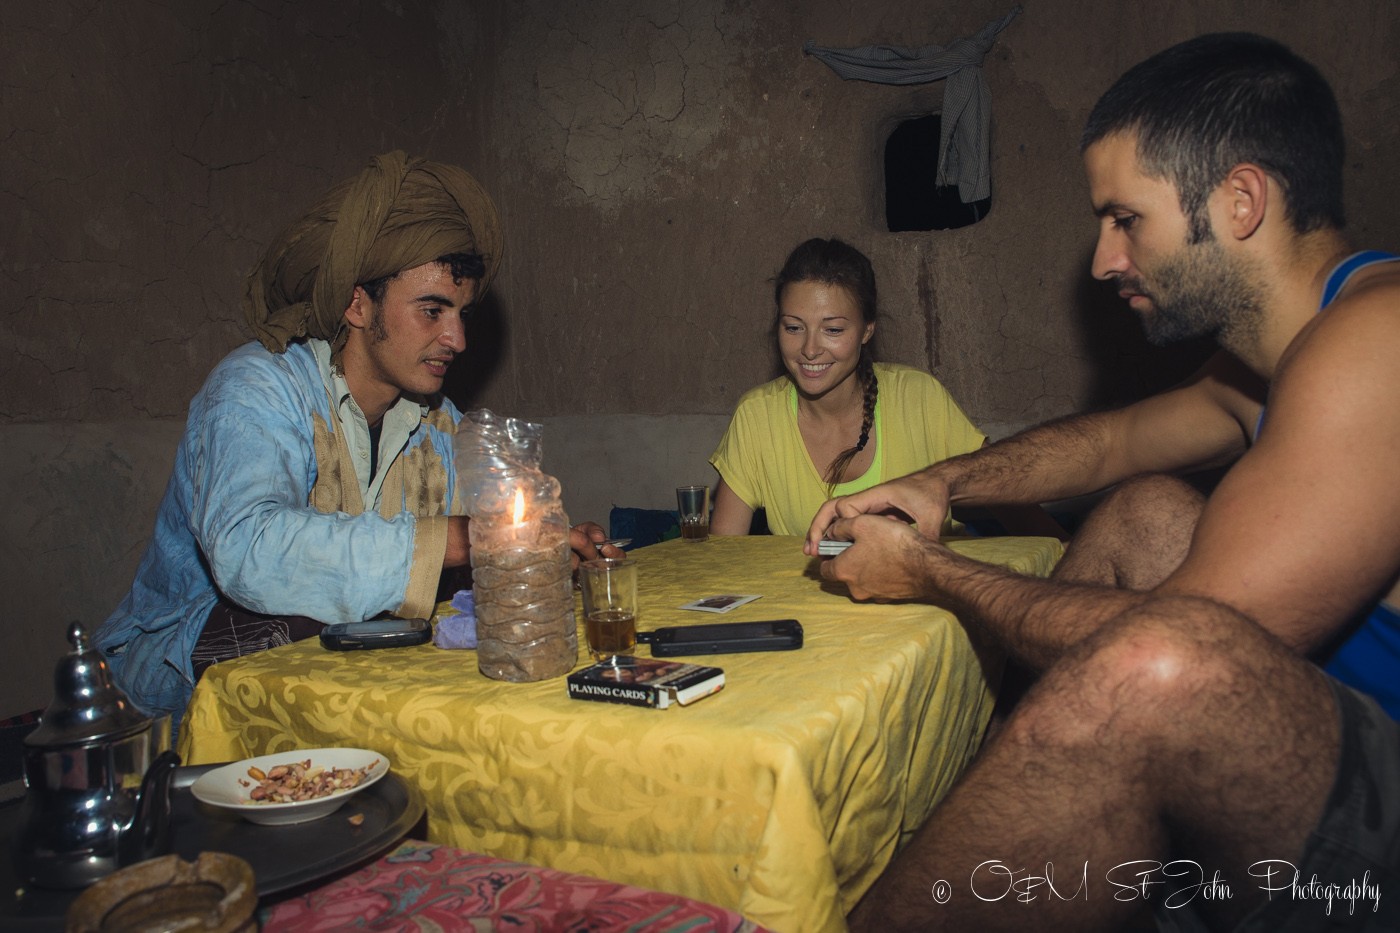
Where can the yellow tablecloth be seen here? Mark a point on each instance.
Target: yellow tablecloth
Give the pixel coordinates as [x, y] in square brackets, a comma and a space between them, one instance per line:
[783, 796]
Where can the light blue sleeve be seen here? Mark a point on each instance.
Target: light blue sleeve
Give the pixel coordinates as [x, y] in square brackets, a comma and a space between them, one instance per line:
[251, 465]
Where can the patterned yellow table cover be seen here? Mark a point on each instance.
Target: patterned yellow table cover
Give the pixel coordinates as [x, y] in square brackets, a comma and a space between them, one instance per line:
[783, 796]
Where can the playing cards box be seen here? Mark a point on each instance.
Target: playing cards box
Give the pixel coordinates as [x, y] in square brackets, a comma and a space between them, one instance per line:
[645, 682]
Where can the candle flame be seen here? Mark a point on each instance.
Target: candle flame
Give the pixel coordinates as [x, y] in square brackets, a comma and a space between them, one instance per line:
[519, 506]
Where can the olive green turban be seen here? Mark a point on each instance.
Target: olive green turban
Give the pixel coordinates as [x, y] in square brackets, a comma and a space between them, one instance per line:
[398, 213]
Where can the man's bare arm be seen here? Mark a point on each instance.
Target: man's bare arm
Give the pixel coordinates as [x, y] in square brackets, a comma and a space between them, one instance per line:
[1194, 425]
[1200, 423]
[1034, 619]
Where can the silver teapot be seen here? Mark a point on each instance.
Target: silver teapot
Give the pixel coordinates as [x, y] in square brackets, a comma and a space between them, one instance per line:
[98, 773]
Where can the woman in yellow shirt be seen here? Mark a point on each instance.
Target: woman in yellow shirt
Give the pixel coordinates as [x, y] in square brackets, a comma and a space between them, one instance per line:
[837, 422]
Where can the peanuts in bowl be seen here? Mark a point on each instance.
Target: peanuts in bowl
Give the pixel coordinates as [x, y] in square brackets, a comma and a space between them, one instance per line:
[292, 786]
[300, 780]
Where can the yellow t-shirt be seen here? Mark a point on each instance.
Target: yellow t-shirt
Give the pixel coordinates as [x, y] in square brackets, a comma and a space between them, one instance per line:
[762, 458]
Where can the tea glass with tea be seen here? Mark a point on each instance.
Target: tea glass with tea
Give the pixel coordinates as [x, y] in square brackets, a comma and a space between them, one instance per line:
[693, 508]
[609, 606]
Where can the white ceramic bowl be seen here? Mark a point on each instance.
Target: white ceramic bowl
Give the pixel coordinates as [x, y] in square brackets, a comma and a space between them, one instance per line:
[228, 786]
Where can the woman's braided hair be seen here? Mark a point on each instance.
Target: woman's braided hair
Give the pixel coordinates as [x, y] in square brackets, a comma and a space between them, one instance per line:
[833, 262]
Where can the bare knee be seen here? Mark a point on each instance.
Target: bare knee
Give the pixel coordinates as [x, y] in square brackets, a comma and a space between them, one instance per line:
[1168, 661]
[1137, 536]
[1148, 496]
[1168, 648]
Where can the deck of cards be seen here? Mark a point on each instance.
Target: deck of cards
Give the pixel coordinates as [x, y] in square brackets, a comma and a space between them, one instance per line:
[721, 603]
[828, 548]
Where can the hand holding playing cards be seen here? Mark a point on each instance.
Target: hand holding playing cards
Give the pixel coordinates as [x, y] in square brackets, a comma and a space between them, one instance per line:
[919, 498]
[888, 559]
[588, 541]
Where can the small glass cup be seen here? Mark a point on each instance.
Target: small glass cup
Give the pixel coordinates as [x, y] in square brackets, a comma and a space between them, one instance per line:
[609, 606]
[693, 507]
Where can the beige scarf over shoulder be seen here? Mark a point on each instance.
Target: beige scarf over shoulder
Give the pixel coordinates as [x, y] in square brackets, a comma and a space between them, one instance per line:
[398, 213]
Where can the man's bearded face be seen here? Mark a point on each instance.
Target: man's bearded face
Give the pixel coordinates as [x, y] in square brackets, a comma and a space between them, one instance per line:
[1198, 291]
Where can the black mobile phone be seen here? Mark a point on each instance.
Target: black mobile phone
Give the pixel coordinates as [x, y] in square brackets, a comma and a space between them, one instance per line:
[724, 638]
[376, 633]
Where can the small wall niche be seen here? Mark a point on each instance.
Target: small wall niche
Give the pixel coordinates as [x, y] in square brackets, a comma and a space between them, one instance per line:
[913, 200]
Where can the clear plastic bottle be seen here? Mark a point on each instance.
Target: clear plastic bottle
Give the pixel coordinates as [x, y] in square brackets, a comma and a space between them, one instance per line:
[521, 580]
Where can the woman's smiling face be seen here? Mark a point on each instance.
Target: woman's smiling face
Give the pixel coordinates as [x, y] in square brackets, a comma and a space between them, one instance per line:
[820, 333]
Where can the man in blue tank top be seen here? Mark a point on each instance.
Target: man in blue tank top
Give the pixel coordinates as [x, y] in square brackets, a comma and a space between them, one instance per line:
[1182, 747]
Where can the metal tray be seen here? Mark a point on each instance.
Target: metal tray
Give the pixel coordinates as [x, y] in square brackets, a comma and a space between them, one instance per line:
[283, 857]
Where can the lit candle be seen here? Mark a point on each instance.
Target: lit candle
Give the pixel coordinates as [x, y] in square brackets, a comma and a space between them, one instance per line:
[518, 530]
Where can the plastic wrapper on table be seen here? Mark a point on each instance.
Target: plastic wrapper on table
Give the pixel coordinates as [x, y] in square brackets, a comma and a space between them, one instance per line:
[458, 631]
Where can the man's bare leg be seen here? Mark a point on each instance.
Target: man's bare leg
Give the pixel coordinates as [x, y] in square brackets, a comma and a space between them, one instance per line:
[1133, 539]
[1181, 730]
[1136, 537]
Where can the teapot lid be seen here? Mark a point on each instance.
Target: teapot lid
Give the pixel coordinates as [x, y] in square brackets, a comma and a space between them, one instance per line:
[87, 705]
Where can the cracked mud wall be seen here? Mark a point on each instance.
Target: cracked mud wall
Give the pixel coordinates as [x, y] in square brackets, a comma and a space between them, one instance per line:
[653, 161]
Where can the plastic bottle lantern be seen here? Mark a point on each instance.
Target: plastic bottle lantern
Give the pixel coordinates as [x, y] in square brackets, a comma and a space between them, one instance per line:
[519, 535]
